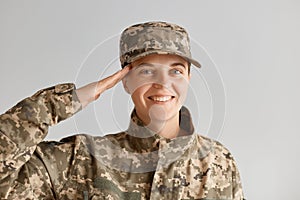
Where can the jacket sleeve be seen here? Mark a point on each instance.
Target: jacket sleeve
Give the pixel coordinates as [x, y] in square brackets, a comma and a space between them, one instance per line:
[237, 189]
[25, 125]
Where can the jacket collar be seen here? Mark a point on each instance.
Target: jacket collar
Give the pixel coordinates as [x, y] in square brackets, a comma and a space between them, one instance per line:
[163, 151]
[138, 129]
[140, 150]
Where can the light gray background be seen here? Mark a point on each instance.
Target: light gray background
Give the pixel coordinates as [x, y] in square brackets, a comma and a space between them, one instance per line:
[253, 43]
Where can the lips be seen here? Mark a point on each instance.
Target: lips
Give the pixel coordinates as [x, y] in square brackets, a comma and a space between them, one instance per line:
[161, 98]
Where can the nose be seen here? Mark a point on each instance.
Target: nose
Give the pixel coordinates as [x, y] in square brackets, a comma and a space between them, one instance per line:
[162, 80]
[157, 86]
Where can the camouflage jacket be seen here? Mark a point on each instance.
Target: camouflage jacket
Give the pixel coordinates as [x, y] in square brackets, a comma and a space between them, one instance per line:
[134, 164]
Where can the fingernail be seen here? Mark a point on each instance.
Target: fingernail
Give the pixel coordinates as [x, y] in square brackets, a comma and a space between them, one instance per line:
[128, 66]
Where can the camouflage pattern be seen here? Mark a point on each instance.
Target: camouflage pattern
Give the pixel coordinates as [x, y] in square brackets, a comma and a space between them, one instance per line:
[136, 164]
[148, 38]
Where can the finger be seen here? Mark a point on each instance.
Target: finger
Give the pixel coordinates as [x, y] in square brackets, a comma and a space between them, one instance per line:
[113, 79]
[121, 73]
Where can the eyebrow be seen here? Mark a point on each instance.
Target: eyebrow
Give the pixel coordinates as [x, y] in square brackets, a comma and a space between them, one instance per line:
[178, 64]
[145, 64]
[152, 65]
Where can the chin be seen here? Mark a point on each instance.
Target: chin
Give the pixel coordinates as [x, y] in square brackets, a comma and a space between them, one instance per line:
[157, 113]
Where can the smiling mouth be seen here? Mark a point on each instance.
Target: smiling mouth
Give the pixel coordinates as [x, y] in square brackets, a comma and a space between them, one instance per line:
[161, 98]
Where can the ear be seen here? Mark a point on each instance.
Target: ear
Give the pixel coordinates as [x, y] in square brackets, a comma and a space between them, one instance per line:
[124, 81]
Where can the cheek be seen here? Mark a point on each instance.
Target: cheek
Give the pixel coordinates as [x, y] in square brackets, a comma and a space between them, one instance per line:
[181, 86]
[138, 85]
[138, 93]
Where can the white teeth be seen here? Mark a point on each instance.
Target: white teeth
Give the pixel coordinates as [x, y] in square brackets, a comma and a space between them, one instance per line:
[161, 99]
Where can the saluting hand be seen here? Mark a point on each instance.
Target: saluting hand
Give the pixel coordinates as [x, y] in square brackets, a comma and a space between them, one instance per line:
[92, 91]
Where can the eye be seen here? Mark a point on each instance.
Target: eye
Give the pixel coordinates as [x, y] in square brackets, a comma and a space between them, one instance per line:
[146, 71]
[176, 71]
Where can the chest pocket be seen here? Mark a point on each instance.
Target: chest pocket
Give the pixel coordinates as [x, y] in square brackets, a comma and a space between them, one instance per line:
[109, 190]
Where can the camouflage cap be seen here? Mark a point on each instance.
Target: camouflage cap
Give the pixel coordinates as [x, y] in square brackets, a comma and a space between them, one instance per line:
[143, 39]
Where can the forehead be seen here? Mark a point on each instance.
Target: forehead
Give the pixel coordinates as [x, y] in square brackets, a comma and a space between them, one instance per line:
[163, 59]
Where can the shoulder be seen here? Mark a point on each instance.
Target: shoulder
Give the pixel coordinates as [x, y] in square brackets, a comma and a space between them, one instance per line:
[215, 151]
[76, 142]
[65, 146]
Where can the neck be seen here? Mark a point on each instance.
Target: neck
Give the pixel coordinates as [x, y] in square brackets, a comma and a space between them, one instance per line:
[166, 128]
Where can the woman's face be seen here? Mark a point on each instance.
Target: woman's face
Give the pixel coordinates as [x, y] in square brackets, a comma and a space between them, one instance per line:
[158, 85]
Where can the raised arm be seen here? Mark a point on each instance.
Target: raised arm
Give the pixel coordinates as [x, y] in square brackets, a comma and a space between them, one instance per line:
[25, 125]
